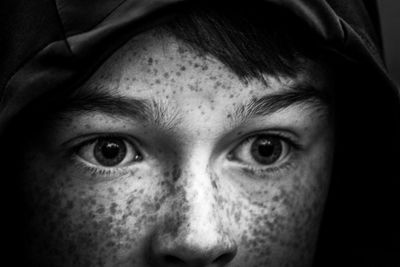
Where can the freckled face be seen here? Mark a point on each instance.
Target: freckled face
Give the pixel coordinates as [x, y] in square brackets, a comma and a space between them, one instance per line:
[198, 180]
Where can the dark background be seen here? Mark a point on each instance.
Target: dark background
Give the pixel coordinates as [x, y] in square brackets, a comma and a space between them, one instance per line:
[390, 15]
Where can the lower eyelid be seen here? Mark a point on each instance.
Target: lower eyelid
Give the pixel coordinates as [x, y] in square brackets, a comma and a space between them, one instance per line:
[83, 168]
[290, 164]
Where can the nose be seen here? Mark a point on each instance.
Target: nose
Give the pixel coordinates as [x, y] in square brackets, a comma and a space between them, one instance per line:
[192, 232]
[190, 253]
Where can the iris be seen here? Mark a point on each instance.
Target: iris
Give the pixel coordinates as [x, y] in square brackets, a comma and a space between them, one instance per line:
[266, 149]
[110, 151]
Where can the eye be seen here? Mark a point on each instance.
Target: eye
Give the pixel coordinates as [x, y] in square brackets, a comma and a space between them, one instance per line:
[109, 152]
[261, 150]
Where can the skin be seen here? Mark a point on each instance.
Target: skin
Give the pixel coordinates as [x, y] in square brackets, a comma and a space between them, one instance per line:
[187, 202]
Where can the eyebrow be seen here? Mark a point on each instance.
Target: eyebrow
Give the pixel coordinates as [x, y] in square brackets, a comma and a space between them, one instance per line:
[143, 110]
[304, 94]
[160, 114]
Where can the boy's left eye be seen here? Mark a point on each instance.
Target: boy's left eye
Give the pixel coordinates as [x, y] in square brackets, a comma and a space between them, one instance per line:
[263, 150]
[109, 152]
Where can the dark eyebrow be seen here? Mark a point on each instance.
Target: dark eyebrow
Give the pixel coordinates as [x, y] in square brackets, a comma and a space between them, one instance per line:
[143, 110]
[306, 95]
[151, 111]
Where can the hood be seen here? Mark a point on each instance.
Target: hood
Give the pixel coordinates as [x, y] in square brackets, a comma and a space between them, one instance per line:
[55, 45]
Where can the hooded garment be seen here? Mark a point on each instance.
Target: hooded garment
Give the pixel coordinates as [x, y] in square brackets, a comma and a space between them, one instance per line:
[55, 45]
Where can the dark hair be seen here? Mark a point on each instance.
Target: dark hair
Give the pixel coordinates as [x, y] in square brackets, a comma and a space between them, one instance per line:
[249, 42]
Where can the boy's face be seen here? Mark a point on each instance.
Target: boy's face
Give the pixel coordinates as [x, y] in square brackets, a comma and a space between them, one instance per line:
[166, 158]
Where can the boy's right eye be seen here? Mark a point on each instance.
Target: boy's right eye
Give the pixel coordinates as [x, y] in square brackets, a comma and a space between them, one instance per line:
[109, 152]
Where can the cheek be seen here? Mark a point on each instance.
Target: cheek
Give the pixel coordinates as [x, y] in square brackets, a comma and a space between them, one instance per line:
[83, 224]
[281, 227]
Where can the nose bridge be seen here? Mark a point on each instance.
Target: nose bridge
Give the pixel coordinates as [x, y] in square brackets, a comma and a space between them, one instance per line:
[192, 232]
[198, 197]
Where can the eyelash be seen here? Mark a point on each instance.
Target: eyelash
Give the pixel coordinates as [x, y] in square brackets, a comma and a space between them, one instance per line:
[294, 146]
[100, 171]
[107, 172]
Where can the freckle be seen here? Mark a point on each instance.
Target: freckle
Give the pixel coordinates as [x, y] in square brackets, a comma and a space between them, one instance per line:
[150, 61]
[166, 75]
[92, 201]
[110, 244]
[158, 81]
[192, 88]
[100, 209]
[231, 96]
[111, 190]
[214, 184]
[176, 173]
[113, 208]
[178, 73]
[183, 68]
[204, 67]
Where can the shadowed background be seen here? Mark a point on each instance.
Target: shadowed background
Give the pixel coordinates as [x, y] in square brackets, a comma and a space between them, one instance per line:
[390, 15]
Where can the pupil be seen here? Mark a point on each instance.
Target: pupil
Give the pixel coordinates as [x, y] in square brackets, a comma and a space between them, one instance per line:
[109, 151]
[266, 149]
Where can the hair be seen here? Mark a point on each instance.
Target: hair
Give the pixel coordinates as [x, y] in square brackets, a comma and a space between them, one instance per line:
[248, 41]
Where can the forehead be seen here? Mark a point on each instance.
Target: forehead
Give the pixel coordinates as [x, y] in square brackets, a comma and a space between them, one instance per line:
[156, 65]
[189, 87]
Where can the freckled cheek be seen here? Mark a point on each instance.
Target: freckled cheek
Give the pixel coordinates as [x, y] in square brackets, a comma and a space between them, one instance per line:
[77, 222]
[284, 223]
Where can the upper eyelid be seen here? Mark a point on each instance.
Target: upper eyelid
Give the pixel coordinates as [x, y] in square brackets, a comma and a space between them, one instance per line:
[249, 138]
[286, 136]
[92, 137]
[73, 149]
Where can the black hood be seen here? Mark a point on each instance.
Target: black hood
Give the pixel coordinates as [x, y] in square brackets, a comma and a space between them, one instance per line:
[52, 45]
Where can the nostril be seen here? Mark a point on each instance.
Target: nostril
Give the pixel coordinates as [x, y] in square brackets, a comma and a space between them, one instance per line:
[224, 258]
[169, 259]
